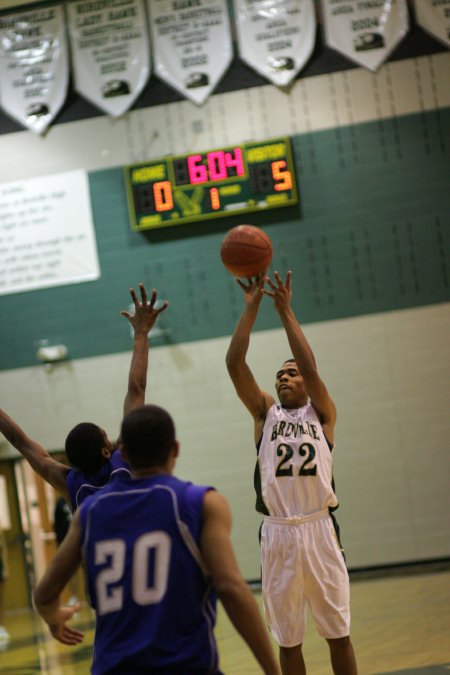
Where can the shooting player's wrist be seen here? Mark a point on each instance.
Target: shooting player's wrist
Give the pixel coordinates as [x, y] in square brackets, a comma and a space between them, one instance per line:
[141, 333]
[286, 314]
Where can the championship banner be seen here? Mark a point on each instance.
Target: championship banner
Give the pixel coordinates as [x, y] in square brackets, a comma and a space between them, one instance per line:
[275, 37]
[191, 43]
[434, 17]
[34, 70]
[110, 51]
[366, 32]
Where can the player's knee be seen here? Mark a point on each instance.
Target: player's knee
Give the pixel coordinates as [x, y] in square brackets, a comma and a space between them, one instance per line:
[290, 650]
[339, 643]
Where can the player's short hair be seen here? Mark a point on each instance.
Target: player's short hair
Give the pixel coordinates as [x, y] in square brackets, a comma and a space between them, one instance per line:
[84, 447]
[148, 435]
[289, 360]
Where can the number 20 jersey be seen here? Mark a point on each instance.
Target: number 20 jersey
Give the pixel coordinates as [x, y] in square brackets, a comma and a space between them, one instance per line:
[155, 606]
[294, 470]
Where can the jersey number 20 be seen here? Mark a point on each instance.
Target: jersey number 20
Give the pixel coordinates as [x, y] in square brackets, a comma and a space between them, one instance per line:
[156, 544]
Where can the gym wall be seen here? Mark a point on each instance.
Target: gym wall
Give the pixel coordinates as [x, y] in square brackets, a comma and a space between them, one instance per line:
[368, 248]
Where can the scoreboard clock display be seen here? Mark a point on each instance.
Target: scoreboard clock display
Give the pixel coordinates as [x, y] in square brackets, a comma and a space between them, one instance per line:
[188, 188]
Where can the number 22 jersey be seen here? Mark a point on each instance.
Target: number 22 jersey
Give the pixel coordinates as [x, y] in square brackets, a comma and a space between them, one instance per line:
[294, 470]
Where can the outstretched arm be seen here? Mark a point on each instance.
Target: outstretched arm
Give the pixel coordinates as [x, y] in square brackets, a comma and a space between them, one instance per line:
[281, 293]
[232, 590]
[142, 320]
[47, 467]
[47, 593]
[255, 400]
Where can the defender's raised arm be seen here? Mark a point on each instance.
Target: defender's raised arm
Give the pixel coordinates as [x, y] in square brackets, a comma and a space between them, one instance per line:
[40, 460]
[143, 320]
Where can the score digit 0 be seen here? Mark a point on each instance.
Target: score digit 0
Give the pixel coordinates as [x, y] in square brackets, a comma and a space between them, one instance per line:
[162, 192]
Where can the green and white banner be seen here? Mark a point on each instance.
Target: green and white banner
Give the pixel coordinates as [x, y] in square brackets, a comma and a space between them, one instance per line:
[434, 17]
[191, 44]
[365, 32]
[275, 37]
[110, 51]
[34, 68]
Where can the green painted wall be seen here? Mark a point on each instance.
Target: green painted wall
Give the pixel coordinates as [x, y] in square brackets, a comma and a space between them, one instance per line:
[371, 234]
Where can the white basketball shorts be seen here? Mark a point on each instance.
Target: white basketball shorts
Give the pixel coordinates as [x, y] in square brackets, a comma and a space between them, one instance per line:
[302, 564]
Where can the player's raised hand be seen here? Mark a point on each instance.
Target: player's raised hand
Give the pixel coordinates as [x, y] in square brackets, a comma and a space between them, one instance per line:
[145, 312]
[253, 288]
[280, 291]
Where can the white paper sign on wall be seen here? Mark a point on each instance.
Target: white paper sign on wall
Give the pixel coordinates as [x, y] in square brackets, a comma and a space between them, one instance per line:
[46, 233]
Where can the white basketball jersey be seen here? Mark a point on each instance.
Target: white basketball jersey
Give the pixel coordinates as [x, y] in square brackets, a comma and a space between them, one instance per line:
[294, 472]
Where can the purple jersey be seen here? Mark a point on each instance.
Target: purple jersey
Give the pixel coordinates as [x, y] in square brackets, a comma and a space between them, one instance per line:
[155, 604]
[81, 485]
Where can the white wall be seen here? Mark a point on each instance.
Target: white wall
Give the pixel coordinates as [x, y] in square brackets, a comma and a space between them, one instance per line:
[388, 374]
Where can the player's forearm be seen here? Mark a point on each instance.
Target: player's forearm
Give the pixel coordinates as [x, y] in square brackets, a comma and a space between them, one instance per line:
[301, 350]
[9, 429]
[37, 457]
[47, 608]
[243, 612]
[137, 378]
[19, 440]
[46, 595]
[240, 340]
[61, 569]
[139, 362]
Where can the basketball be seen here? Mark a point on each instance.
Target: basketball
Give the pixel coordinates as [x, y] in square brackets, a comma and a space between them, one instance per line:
[246, 251]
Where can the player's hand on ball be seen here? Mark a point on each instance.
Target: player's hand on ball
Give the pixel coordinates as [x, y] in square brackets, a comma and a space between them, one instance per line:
[253, 288]
[280, 291]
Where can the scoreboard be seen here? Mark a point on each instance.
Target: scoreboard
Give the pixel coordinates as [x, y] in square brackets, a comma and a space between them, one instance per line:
[188, 188]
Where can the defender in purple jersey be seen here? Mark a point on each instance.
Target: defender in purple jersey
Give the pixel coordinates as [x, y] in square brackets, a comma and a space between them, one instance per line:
[157, 550]
[94, 459]
[81, 484]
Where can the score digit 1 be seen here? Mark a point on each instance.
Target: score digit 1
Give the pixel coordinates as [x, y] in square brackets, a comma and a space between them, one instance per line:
[280, 173]
[215, 199]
